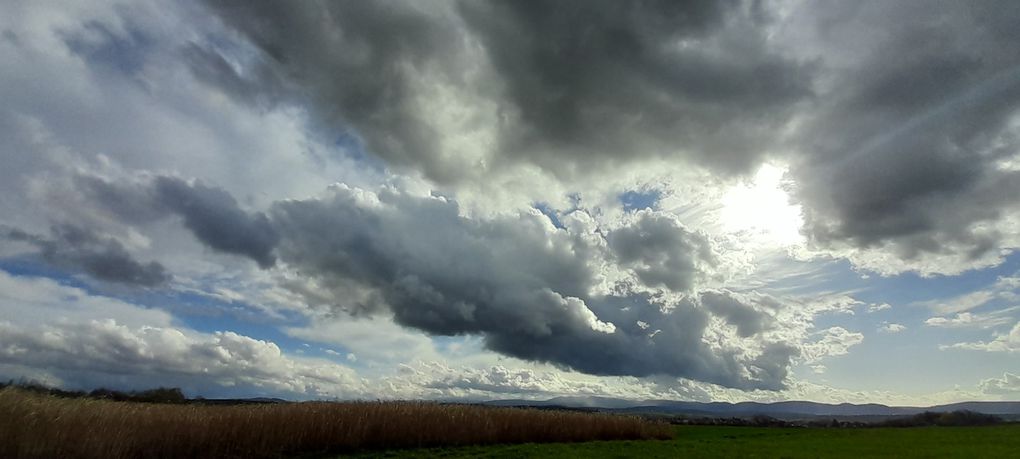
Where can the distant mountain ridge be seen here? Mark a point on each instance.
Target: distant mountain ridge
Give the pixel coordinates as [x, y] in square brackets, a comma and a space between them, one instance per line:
[787, 408]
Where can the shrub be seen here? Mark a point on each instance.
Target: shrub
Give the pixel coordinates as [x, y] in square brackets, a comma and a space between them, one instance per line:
[161, 395]
[947, 419]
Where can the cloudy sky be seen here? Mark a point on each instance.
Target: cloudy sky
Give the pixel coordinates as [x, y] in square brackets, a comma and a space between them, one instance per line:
[702, 200]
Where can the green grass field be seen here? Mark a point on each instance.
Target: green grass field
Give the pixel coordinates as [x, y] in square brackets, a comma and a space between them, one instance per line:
[748, 442]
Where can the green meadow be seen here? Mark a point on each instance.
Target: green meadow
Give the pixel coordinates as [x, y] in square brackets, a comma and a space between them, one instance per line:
[765, 442]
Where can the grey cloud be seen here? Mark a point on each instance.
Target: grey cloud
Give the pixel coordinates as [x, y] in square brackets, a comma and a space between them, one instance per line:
[894, 138]
[435, 264]
[98, 45]
[569, 86]
[528, 289]
[103, 258]
[214, 217]
[210, 213]
[132, 202]
[353, 61]
[603, 81]
[902, 154]
[773, 363]
[212, 67]
[662, 252]
[524, 287]
[738, 312]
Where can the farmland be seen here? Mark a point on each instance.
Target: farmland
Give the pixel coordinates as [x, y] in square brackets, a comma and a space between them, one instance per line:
[769, 442]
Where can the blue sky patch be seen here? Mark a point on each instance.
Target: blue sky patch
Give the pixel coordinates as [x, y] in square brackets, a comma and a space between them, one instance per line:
[637, 200]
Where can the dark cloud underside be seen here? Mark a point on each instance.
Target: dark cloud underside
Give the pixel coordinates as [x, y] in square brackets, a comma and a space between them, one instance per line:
[521, 284]
[575, 85]
[104, 258]
[904, 152]
[215, 219]
[210, 213]
[591, 83]
[527, 288]
[897, 136]
[662, 253]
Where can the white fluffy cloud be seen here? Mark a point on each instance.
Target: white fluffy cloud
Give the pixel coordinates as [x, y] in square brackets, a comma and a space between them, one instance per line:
[878, 307]
[1007, 385]
[88, 340]
[833, 341]
[888, 327]
[101, 348]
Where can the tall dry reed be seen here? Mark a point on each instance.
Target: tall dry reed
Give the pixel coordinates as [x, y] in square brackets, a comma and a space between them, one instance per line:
[41, 426]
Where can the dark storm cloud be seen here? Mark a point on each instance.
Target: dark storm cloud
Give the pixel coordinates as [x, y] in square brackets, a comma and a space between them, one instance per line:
[903, 153]
[435, 265]
[524, 286]
[576, 85]
[662, 253]
[214, 217]
[211, 214]
[592, 82]
[517, 282]
[898, 133]
[738, 312]
[103, 258]
[351, 60]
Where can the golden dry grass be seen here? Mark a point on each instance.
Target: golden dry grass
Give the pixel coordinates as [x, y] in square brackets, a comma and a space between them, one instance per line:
[36, 425]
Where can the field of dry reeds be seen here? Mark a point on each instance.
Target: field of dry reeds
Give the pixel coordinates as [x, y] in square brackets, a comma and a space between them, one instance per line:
[44, 426]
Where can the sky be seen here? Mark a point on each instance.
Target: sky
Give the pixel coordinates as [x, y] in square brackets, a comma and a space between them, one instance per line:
[474, 200]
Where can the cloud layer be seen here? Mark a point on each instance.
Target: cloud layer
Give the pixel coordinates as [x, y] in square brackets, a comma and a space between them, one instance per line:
[569, 87]
[211, 214]
[526, 196]
[904, 156]
[103, 258]
[899, 143]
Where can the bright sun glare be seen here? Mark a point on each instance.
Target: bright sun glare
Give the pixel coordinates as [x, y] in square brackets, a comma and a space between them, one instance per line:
[761, 209]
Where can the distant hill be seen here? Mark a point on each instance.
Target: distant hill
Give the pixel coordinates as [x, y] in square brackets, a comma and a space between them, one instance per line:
[778, 409]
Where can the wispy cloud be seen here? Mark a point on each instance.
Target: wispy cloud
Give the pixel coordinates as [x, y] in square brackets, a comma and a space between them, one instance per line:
[1003, 342]
[990, 319]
